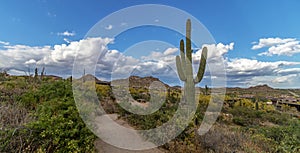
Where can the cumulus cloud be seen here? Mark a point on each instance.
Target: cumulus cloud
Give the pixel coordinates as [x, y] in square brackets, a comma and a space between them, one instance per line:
[278, 46]
[285, 79]
[289, 71]
[57, 60]
[112, 64]
[244, 67]
[67, 34]
[215, 51]
[170, 51]
[31, 61]
[268, 42]
[248, 72]
[4, 43]
[115, 65]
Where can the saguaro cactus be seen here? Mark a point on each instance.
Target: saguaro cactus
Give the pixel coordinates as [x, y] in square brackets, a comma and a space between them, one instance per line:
[185, 67]
[256, 105]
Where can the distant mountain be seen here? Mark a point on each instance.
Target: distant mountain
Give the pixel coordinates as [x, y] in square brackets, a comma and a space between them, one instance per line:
[264, 87]
[145, 82]
[139, 82]
[90, 77]
[260, 90]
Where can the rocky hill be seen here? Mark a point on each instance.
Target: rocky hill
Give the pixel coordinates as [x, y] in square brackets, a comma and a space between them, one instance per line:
[145, 82]
[90, 77]
[264, 88]
[138, 82]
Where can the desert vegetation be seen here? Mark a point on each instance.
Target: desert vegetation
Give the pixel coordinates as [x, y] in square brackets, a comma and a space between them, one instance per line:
[40, 115]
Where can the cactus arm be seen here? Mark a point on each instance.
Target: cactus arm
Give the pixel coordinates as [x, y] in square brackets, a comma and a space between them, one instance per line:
[180, 69]
[182, 55]
[201, 66]
[188, 41]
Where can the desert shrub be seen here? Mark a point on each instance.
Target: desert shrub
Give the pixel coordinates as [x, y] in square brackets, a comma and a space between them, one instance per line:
[285, 108]
[13, 139]
[3, 76]
[29, 100]
[245, 116]
[222, 139]
[55, 126]
[276, 118]
[59, 128]
[44, 92]
[286, 138]
[52, 89]
[244, 103]
[103, 91]
[139, 93]
[241, 121]
[13, 116]
[268, 108]
[180, 146]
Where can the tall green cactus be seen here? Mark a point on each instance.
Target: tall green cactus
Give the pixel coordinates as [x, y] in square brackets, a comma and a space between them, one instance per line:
[185, 67]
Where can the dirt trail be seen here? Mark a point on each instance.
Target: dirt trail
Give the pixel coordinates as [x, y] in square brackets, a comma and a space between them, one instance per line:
[112, 130]
[294, 94]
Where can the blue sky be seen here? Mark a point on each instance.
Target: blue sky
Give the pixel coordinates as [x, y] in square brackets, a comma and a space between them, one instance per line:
[273, 25]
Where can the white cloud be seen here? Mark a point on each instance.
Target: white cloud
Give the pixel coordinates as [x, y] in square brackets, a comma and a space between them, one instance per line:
[59, 59]
[247, 72]
[268, 42]
[243, 66]
[4, 43]
[109, 27]
[215, 51]
[159, 64]
[170, 51]
[67, 34]
[278, 46]
[289, 71]
[67, 40]
[17, 72]
[285, 79]
[31, 61]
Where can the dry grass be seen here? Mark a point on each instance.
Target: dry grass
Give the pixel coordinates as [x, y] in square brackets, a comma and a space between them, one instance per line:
[12, 116]
[12, 119]
[219, 139]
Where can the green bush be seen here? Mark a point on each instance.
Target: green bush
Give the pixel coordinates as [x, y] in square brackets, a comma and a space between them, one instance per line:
[276, 118]
[286, 138]
[59, 128]
[245, 116]
[241, 121]
[55, 126]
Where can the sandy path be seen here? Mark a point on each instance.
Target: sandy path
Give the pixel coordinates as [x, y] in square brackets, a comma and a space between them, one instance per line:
[112, 131]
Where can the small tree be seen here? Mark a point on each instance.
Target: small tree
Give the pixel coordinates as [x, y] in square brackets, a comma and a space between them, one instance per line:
[36, 73]
[206, 90]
